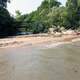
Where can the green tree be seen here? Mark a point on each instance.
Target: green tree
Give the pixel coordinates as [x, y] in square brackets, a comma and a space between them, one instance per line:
[3, 3]
[36, 19]
[72, 13]
[6, 23]
[18, 14]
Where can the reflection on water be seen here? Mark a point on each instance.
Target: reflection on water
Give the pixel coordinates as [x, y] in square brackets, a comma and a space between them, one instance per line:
[59, 63]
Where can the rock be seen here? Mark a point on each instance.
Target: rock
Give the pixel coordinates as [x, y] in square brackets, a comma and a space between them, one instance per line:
[51, 30]
[69, 32]
[58, 34]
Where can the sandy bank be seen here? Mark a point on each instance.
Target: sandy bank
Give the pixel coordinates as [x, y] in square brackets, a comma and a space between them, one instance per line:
[37, 40]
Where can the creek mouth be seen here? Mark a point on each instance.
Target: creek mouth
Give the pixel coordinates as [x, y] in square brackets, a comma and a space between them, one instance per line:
[58, 63]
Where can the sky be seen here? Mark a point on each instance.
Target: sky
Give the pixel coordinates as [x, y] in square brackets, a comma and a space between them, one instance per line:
[25, 6]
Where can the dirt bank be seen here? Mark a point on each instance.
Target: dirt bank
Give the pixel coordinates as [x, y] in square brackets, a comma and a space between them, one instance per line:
[34, 40]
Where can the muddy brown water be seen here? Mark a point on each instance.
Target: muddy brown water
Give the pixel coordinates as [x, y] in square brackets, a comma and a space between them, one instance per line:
[59, 63]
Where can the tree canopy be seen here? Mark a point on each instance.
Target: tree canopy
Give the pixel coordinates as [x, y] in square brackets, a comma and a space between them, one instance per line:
[49, 14]
[73, 15]
[8, 25]
[3, 3]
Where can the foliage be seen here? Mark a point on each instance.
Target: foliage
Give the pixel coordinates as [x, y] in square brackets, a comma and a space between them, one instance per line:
[51, 14]
[6, 23]
[37, 21]
[72, 13]
[3, 3]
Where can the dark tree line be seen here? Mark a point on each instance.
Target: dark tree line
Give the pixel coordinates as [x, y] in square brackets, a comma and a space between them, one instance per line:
[8, 25]
[3, 3]
[49, 14]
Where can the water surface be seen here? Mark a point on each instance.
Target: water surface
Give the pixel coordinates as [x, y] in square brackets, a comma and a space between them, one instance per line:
[34, 63]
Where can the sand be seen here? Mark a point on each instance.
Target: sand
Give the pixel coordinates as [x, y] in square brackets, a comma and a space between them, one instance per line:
[20, 41]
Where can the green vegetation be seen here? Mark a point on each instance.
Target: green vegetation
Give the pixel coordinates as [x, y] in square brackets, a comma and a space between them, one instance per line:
[8, 25]
[49, 14]
[52, 14]
[3, 3]
[73, 13]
